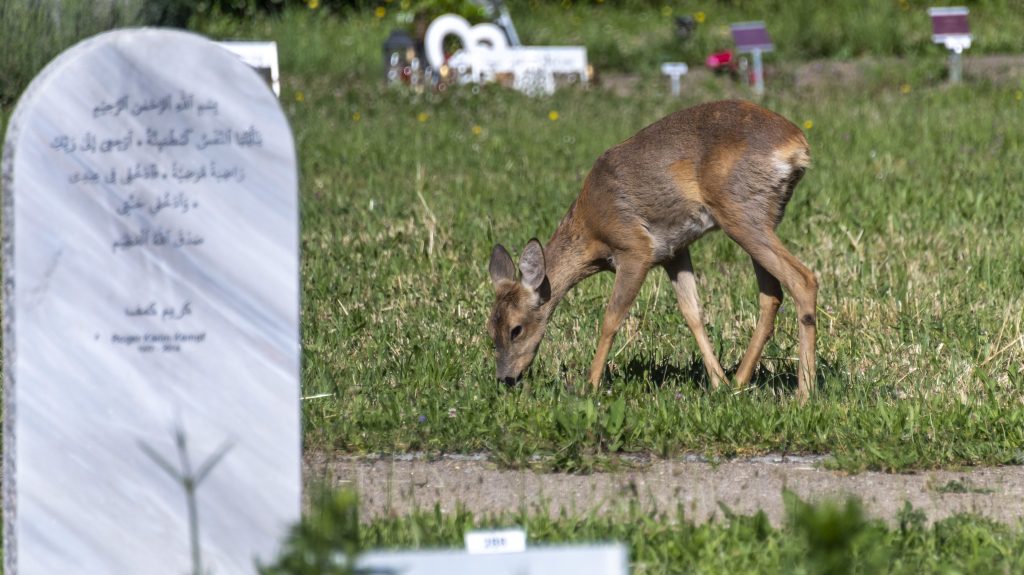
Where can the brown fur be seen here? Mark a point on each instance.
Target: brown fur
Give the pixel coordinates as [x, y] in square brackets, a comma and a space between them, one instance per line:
[724, 165]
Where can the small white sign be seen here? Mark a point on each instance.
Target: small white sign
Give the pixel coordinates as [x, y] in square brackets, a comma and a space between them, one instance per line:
[603, 559]
[261, 56]
[503, 541]
[674, 69]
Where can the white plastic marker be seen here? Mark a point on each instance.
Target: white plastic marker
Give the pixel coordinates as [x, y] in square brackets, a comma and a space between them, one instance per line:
[674, 70]
[500, 541]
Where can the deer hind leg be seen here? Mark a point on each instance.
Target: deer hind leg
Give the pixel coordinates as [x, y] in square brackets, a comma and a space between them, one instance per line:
[770, 300]
[629, 277]
[680, 271]
[766, 249]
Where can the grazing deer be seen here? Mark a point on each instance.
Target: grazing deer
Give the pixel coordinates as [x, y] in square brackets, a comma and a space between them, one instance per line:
[730, 165]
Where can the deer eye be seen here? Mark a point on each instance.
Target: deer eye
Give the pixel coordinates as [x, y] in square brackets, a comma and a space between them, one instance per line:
[516, 332]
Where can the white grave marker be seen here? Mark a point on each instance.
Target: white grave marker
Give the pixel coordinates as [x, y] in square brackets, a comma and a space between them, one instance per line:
[675, 70]
[151, 414]
[485, 53]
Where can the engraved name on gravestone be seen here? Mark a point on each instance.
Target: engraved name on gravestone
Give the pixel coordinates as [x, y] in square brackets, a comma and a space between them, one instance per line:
[151, 322]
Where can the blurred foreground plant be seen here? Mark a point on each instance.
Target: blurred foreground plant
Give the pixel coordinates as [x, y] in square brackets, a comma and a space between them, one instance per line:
[325, 541]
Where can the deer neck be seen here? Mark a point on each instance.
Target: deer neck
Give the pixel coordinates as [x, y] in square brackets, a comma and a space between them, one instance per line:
[568, 260]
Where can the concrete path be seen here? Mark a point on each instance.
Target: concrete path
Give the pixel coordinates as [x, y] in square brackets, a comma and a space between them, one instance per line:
[396, 486]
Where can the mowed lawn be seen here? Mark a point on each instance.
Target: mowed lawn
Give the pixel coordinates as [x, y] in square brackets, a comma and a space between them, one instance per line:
[910, 216]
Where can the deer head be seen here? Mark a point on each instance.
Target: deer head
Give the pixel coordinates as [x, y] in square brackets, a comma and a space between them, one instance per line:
[518, 320]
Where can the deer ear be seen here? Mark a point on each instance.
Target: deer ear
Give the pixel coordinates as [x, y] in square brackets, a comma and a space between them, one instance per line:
[531, 264]
[501, 267]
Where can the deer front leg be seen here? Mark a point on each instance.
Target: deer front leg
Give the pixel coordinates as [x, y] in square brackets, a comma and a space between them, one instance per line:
[680, 272]
[628, 279]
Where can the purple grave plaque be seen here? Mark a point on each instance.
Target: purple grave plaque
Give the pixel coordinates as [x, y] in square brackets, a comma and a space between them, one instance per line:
[751, 36]
[951, 28]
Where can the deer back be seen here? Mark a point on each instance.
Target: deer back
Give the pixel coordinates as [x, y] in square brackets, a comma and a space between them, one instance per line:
[677, 178]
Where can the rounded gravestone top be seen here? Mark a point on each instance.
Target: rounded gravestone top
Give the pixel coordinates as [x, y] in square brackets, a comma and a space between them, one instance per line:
[151, 311]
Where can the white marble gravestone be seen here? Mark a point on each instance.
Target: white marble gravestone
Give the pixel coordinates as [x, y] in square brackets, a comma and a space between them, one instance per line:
[151, 309]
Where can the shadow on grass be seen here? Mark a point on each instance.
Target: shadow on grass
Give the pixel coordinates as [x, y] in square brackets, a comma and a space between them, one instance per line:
[665, 372]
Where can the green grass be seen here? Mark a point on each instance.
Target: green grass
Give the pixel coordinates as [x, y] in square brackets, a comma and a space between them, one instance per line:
[33, 33]
[963, 485]
[638, 38]
[910, 215]
[824, 538]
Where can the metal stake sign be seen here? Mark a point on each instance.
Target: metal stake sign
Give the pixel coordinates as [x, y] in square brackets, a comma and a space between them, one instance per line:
[951, 29]
[752, 38]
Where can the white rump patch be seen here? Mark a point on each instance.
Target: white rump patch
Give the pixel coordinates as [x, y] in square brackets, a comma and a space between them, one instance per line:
[781, 167]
